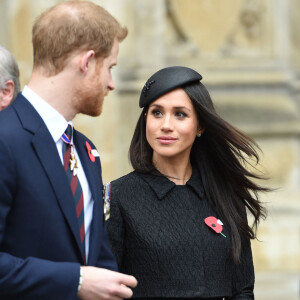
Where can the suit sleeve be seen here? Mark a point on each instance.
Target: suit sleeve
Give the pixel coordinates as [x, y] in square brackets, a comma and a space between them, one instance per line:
[29, 278]
[116, 229]
[107, 259]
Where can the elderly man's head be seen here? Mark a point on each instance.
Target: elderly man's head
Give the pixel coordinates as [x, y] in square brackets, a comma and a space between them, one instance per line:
[9, 78]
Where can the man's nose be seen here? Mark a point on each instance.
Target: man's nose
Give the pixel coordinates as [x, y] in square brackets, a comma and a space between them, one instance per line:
[111, 84]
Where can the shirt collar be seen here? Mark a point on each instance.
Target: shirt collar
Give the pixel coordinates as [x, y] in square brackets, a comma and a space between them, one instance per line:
[161, 185]
[54, 121]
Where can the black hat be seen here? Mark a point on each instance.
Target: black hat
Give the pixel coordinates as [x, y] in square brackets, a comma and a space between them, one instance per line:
[166, 80]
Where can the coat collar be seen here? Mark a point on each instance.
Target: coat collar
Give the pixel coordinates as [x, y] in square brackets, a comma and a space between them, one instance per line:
[196, 184]
[161, 185]
[28, 116]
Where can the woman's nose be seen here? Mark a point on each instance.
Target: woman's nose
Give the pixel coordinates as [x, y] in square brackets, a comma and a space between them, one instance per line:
[167, 124]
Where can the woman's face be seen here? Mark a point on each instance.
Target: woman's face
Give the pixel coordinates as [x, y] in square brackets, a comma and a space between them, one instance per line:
[171, 125]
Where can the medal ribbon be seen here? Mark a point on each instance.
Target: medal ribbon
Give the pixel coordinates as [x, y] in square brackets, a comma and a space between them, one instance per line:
[74, 184]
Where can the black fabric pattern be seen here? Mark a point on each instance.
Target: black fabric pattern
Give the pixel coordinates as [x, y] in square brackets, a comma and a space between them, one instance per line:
[157, 233]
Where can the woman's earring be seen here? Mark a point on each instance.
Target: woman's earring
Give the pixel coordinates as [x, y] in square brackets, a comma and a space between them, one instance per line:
[199, 134]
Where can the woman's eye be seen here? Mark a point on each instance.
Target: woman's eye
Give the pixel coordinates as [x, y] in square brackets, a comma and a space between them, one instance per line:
[156, 113]
[180, 114]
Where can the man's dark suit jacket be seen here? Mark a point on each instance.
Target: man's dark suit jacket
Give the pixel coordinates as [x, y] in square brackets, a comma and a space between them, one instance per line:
[39, 236]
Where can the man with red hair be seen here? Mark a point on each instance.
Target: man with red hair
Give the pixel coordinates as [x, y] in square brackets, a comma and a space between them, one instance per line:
[53, 237]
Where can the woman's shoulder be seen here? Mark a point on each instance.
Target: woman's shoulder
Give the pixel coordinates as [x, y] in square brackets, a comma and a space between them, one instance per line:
[130, 181]
[129, 178]
[127, 187]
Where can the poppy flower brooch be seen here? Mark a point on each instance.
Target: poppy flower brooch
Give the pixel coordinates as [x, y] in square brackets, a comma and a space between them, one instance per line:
[215, 224]
[93, 153]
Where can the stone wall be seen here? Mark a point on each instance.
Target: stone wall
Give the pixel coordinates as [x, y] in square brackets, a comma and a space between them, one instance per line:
[248, 52]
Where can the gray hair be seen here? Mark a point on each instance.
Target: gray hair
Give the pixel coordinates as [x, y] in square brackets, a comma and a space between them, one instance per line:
[9, 70]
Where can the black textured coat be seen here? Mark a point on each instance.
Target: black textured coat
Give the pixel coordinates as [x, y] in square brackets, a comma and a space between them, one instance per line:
[157, 233]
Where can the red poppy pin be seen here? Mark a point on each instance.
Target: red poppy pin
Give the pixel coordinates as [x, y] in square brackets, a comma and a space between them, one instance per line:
[215, 224]
[89, 150]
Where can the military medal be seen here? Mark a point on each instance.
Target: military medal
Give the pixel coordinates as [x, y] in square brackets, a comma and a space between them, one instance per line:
[73, 160]
[106, 198]
[73, 163]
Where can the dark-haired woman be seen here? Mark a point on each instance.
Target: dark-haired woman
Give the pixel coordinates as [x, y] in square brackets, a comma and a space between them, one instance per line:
[178, 222]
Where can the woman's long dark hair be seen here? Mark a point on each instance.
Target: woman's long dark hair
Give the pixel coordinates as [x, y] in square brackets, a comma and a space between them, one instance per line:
[223, 157]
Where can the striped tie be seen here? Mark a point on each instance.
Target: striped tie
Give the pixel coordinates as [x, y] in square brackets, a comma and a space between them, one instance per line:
[74, 184]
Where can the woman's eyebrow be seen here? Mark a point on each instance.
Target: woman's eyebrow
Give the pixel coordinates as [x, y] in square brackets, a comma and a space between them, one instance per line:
[156, 105]
[182, 107]
[175, 107]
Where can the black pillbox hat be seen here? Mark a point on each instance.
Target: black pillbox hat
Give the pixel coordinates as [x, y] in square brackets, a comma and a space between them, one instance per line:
[166, 80]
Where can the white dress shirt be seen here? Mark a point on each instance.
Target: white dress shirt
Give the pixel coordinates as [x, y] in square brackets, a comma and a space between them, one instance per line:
[57, 125]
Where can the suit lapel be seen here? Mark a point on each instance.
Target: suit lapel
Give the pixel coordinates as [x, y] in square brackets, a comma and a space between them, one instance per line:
[46, 150]
[88, 166]
[93, 174]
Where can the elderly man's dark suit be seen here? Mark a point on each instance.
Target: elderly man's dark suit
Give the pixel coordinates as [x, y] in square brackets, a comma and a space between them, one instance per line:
[39, 234]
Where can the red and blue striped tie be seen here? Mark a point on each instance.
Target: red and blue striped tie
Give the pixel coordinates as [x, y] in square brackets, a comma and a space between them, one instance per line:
[75, 185]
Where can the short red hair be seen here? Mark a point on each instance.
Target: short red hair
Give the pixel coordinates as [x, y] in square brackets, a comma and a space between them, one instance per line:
[70, 26]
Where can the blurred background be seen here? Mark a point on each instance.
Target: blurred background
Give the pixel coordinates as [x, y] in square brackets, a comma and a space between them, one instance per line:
[248, 52]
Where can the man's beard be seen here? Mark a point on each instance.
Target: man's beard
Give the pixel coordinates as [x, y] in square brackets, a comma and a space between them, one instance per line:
[89, 99]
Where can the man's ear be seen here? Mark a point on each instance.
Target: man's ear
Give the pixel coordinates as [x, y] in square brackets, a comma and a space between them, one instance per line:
[7, 94]
[86, 58]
